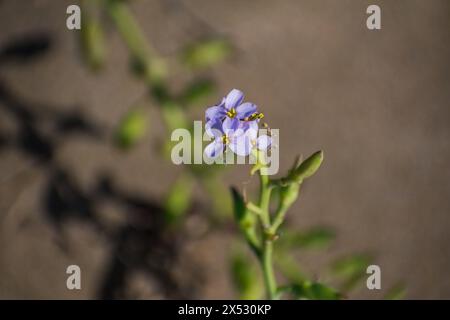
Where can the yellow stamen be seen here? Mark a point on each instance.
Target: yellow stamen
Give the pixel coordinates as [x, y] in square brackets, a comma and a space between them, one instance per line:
[225, 139]
[256, 115]
[231, 113]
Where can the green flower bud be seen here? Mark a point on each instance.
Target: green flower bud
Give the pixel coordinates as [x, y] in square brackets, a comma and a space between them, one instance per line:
[308, 167]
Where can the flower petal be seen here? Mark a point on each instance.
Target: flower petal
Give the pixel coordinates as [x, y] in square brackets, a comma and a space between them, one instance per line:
[233, 99]
[214, 149]
[214, 128]
[245, 110]
[250, 128]
[263, 142]
[241, 146]
[215, 112]
[230, 125]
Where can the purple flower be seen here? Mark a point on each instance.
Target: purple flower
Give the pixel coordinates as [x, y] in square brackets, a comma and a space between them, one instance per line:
[262, 142]
[234, 124]
[231, 133]
[232, 107]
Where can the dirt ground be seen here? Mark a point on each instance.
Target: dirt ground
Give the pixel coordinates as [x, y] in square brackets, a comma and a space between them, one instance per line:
[376, 102]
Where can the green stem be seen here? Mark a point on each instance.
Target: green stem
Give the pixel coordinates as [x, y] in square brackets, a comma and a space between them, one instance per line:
[266, 256]
[267, 266]
[264, 199]
[278, 220]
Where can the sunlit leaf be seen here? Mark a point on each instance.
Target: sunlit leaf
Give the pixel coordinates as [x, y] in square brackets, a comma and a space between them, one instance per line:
[206, 53]
[132, 128]
[178, 199]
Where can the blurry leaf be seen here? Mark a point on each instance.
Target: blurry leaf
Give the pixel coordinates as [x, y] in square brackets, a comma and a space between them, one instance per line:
[206, 53]
[352, 270]
[197, 92]
[315, 238]
[153, 70]
[219, 195]
[131, 128]
[288, 267]
[245, 277]
[93, 42]
[314, 291]
[178, 199]
[397, 292]
[173, 115]
[143, 58]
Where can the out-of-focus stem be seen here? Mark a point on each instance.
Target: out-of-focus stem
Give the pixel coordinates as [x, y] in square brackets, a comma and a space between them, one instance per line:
[135, 40]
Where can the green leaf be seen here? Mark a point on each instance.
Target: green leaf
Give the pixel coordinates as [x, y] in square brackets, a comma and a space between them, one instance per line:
[132, 128]
[242, 215]
[352, 269]
[206, 53]
[245, 277]
[314, 291]
[178, 199]
[246, 220]
[315, 238]
[197, 92]
[289, 267]
[397, 292]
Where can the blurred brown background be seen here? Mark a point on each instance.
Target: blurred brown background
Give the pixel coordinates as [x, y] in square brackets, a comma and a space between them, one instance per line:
[376, 102]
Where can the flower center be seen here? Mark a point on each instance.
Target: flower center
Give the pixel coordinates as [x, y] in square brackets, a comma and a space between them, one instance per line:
[231, 113]
[225, 139]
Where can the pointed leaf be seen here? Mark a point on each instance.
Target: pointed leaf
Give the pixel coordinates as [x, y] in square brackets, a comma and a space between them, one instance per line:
[206, 53]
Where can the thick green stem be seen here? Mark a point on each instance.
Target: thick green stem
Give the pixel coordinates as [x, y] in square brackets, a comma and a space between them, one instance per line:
[278, 220]
[264, 199]
[266, 256]
[267, 266]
